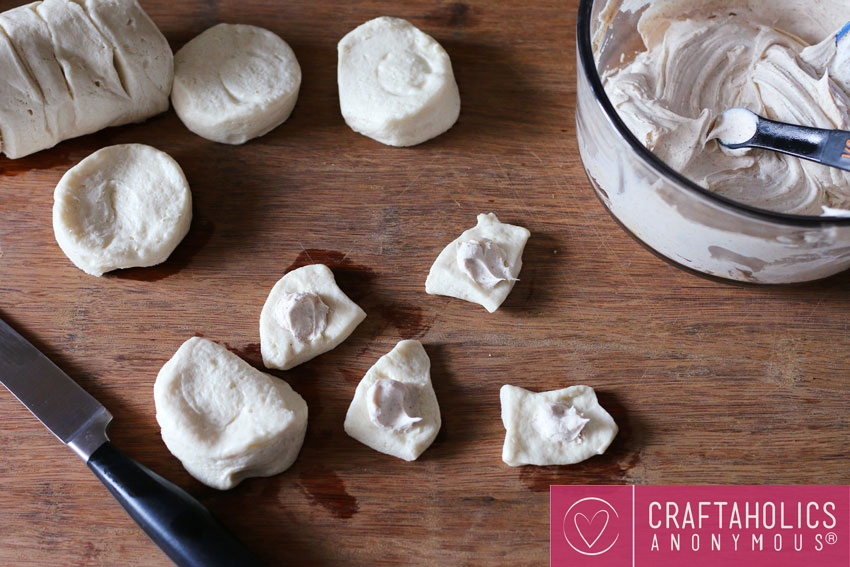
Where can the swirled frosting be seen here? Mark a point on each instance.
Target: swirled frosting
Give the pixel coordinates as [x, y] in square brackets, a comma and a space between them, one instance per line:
[704, 57]
[559, 421]
[391, 404]
[305, 315]
[484, 261]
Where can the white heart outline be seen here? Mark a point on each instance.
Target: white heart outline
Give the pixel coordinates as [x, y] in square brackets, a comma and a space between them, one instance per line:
[590, 523]
[567, 515]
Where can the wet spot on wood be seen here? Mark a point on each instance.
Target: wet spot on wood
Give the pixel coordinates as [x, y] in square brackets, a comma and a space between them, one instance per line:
[407, 319]
[354, 279]
[325, 488]
[250, 353]
[54, 157]
[452, 14]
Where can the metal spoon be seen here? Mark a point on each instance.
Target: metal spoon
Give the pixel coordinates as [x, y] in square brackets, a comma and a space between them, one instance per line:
[740, 128]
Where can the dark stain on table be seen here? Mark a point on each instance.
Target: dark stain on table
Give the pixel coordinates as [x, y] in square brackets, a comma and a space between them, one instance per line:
[326, 488]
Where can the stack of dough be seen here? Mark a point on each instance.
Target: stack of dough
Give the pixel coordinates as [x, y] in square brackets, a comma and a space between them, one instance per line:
[71, 68]
[396, 83]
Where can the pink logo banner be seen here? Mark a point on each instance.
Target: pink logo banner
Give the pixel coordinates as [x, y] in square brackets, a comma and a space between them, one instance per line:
[700, 526]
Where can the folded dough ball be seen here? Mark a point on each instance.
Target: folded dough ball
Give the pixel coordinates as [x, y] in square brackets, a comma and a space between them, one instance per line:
[305, 315]
[225, 420]
[561, 427]
[235, 82]
[74, 67]
[394, 409]
[396, 83]
[123, 206]
[481, 265]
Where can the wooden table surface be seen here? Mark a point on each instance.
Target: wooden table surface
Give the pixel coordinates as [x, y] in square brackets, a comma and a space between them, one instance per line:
[709, 382]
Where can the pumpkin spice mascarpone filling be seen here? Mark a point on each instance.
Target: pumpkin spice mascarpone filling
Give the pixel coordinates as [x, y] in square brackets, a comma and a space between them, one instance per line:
[782, 59]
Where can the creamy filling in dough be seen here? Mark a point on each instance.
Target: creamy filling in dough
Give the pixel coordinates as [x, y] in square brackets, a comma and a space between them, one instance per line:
[701, 58]
[484, 262]
[392, 404]
[559, 421]
[481, 265]
[395, 409]
[561, 427]
[304, 314]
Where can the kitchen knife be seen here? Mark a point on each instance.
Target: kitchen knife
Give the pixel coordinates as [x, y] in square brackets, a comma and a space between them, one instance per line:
[176, 522]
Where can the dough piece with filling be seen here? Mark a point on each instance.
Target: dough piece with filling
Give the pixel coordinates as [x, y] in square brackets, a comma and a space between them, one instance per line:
[396, 83]
[561, 427]
[235, 82]
[305, 315]
[482, 265]
[225, 420]
[394, 409]
[123, 206]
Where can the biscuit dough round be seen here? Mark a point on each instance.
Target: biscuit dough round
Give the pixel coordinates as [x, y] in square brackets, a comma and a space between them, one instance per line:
[225, 420]
[396, 84]
[121, 207]
[235, 82]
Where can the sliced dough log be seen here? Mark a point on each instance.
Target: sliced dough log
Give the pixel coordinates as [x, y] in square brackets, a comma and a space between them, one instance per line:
[23, 125]
[235, 82]
[407, 363]
[280, 348]
[87, 60]
[142, 56]
[225, 420]
[90, 65]
[123, 206]
[30, 36]
[396, 84]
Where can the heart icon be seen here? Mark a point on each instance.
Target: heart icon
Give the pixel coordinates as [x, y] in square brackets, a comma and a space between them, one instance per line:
[589, 525]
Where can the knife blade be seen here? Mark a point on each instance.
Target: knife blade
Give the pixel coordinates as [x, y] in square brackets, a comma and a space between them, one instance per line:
[176, 522]
[68, 411]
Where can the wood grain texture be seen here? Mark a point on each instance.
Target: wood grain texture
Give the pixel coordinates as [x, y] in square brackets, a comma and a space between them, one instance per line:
[710, 383]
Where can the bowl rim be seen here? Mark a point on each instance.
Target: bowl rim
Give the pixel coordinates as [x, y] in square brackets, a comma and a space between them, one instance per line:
[588, 67]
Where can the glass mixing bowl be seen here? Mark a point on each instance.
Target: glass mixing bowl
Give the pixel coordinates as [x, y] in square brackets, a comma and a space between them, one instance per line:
[679, 220]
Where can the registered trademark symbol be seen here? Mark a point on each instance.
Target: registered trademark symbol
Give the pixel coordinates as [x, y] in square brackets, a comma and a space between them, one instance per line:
[831, 538]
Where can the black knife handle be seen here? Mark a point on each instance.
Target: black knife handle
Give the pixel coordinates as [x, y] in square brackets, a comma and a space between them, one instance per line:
[180, 525]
